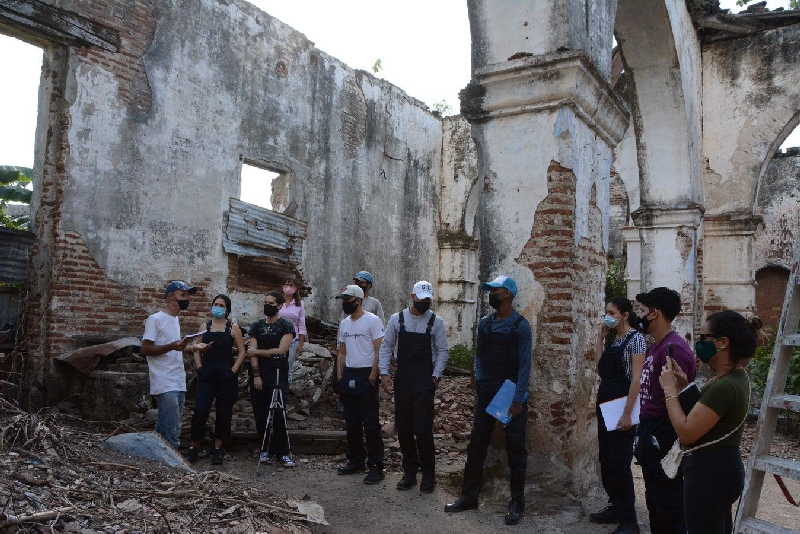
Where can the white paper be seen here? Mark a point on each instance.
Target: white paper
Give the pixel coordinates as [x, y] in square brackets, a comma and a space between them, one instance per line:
[612, 412]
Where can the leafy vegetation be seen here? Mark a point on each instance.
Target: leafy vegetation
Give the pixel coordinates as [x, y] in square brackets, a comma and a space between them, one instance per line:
[13, 188]
[759, 369]
[442, 108]
[615, 280]
[462, 357]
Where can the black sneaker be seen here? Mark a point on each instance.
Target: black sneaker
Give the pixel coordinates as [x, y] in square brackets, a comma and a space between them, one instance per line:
[460, 505]
[192, 454]
[407, 482]
[350, 469]
[374, 476]
[217, 456]
[606, 516]
[427, 484]
[515, 510]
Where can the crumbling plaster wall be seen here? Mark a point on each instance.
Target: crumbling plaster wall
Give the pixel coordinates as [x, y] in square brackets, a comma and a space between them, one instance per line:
[751, 92]
[779, 206]
[148, 185]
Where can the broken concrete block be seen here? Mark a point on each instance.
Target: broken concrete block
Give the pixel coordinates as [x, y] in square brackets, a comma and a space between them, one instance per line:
[147, 445]
[317, 350]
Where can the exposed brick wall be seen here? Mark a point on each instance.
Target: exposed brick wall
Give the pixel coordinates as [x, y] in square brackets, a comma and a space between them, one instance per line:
[770, 292]
[573, 278]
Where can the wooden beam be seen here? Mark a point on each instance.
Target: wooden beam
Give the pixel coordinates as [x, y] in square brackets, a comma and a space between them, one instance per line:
[52, 22]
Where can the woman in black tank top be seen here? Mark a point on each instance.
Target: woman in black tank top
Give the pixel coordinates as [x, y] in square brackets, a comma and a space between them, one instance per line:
[216, 377]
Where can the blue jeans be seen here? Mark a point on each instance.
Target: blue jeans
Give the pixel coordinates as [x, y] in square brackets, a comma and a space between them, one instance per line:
[292, 357]
[170, 411]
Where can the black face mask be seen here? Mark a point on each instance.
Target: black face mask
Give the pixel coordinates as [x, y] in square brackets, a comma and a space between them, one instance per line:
[422, 305]
[642, 323]
[349, 307]
[183, 304]
[495, 301]
[270, 310]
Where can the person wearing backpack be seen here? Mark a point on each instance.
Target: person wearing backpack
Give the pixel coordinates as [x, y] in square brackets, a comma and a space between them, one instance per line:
[418, 339]
[216, 377]
[713, 473]
[504, 352]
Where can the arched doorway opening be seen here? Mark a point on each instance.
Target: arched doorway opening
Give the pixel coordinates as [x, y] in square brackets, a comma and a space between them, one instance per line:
[770, 289]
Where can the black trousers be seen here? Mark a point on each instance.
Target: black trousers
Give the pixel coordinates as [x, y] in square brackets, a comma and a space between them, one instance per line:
[664, 495]
[482, 427]
[278, 440]
[713, 479]
[414, 418]
[362, 421]
[616, 455]
[214, 383]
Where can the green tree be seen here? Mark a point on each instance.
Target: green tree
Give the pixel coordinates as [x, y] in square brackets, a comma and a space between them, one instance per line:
[615, 279]
[13, 188]
[377, 66]
[441, 107]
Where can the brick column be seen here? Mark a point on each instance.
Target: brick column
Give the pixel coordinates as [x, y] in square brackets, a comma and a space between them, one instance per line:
[545, 122]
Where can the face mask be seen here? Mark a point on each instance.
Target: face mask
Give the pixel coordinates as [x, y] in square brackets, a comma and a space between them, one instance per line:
[270, 310]
[349, 307]
[289, 290]
[422, 305]
[642, 323]
[610, 322]
[183, 304]
[705, 349]
[217, 312]
[495, 301]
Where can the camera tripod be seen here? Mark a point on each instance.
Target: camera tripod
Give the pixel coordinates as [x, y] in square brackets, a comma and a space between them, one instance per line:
[277, 407]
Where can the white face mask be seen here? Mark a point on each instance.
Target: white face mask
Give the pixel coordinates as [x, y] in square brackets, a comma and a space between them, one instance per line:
[610, 322]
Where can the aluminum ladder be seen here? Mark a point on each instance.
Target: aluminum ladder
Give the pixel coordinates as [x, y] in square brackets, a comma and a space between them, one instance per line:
[775, 399]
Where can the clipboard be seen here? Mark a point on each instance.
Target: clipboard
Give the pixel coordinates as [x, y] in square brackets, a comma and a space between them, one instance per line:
[501, 402]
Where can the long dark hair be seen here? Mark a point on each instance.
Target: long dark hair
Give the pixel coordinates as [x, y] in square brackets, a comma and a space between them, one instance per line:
[742, 333]
[624, 306]
[227, 301]
[279, 298]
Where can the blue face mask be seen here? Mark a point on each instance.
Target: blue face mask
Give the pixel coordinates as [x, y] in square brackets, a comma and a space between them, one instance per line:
[217, 312]
[610, 322]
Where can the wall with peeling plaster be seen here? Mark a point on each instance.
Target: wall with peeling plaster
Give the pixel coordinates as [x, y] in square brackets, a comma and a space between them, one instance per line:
[147, 188]
[779, 207]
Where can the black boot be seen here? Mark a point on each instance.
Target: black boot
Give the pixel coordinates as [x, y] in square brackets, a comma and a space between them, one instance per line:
[462, 504]
[606, 516]
[374, 475]
[428, 483]
[350, 468]
[515, 509]
[192, 454]
[408, 481]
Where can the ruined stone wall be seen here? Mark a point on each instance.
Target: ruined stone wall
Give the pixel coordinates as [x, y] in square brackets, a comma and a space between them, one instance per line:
[779, 207]
[142, 149]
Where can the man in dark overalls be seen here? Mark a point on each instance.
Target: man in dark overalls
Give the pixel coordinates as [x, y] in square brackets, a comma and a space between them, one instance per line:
[505, 351]
[417, 337]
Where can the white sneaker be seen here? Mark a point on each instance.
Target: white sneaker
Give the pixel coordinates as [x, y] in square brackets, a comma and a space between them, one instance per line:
[264, 458]
[286, 461]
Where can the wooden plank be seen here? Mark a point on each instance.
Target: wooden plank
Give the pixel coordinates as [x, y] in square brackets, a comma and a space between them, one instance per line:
[751, 525]
[786, 402]
[58, 23]
[778, 466]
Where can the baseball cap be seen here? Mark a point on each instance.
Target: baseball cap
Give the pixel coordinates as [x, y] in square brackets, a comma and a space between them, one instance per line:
[423, 290]
[662, 298]
[351, 291]
[365, 276]
[502, 281]
[179, 285]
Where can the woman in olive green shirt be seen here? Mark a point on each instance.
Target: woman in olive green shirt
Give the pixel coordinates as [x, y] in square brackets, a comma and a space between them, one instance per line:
[713, 474]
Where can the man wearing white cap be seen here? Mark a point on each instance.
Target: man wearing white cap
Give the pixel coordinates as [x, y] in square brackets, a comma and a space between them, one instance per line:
[504, 352]
[360, 337]
[417, 338]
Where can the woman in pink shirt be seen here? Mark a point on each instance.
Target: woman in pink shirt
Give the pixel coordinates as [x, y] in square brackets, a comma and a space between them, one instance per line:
[294, 312]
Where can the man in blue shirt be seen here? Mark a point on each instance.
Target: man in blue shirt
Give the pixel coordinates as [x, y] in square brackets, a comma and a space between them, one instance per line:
[504, 352]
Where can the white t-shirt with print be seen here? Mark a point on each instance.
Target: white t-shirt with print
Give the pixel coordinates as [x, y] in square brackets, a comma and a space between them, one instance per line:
[358, 337]
[166, 370]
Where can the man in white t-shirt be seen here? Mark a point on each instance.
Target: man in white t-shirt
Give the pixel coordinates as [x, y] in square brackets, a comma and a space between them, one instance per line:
[360, 337]
[163, 346]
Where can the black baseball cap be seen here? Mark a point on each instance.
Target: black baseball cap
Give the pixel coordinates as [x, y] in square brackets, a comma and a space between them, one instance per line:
[667, 300]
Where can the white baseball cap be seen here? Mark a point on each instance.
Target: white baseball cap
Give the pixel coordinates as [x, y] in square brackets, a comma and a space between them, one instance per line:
[351, 291]
[423, 290]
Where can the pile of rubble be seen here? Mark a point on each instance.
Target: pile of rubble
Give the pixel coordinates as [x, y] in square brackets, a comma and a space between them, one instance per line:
[59, 477]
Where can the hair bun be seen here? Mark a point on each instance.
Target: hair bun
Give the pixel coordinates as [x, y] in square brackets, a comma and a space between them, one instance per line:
[755, 324]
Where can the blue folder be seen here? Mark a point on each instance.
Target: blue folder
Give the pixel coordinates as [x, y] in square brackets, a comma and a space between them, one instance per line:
[501, 403]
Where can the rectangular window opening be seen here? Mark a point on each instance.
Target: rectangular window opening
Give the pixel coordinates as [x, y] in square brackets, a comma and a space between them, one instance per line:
[256, 185]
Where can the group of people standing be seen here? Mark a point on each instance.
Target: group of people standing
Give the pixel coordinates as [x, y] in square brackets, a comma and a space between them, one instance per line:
[698, 500]
[642, 360]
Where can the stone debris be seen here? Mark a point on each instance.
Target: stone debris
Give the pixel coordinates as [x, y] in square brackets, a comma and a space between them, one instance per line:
[147, 445]
[58, 477]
